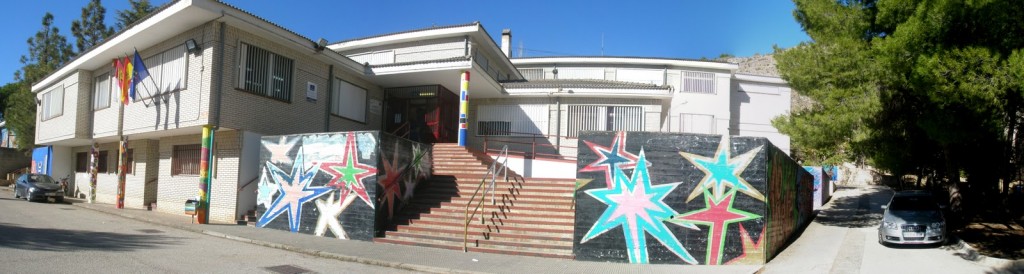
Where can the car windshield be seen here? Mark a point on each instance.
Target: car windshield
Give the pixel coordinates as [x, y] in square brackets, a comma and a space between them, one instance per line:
[913, 203]
[40, 178]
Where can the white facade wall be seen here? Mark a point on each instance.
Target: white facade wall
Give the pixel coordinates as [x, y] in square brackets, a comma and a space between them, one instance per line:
[267, 116]
[755, 105]
[714, 104]
[70, 124]
[173, 190]
[416, 51]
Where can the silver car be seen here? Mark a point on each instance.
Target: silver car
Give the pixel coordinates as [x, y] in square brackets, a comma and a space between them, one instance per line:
[912, 217]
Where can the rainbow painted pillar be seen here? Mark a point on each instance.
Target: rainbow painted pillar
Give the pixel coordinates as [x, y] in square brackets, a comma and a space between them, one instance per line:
[122, 168]
[203, 210]
[463, 108]
[94, 155]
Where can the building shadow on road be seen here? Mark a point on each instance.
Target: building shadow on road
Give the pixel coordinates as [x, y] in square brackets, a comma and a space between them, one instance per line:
[48, 239]
[858, 211]
[1015, 267]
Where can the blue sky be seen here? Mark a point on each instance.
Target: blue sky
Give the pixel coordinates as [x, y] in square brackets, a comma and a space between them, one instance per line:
[669, 29]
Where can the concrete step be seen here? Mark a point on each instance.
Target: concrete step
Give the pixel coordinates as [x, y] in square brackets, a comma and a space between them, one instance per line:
[446, 245]
[502, 247]
[552, 238]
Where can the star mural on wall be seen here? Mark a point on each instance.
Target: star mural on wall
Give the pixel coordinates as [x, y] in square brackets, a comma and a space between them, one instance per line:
[420, 167]
[279, 151]
[638, 207]
[721, 170]
[717, 215]
[349, 173]
[329, 210]
[266, 190]
[295, 191]
[389, 183]
[752, 252]
[611, 158]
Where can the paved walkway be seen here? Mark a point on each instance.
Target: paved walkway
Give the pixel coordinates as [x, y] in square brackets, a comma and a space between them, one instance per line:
[399, 256]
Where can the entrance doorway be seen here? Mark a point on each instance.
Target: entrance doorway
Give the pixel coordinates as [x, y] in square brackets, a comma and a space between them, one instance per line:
[426, 114]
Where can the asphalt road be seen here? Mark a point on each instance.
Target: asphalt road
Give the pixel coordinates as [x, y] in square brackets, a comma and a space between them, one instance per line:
[60, 238]
[844, 239]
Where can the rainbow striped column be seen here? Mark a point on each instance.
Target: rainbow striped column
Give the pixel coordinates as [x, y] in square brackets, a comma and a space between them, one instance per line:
[122, 167]
[203, 210]
[463, 108]
[94, 155]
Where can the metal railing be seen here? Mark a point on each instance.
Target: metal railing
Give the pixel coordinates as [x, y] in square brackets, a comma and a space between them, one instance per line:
[493, 172]
[535, 140]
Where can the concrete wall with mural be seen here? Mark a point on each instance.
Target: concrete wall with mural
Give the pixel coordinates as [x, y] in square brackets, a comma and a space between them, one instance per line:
[790, 201]
[344, 185]
[672, 198]
[822, 185]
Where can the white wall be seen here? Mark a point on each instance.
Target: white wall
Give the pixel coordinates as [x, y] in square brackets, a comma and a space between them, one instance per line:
[756, 104]
[541, 168]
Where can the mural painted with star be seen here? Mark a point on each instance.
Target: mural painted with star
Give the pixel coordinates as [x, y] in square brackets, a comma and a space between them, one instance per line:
[336, 185]
[672, 198]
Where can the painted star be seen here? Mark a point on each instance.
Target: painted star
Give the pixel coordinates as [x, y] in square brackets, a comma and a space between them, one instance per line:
[638, 207]
[329, 210]
[717, 215]
[267, 190]
[611, 158]
[295, 191]
[349, 173]
[279, 151]
[722, 170]
[752, 252]
[390, 183]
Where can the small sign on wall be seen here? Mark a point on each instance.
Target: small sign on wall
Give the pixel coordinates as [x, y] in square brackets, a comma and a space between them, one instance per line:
[375, 106]
[311, 91]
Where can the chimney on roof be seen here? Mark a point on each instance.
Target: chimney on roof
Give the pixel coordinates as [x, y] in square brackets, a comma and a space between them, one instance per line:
[506, 42]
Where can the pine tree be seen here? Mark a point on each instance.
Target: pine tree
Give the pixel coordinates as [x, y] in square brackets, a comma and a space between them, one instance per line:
[47, 51]
[138, 10]
[90, 29]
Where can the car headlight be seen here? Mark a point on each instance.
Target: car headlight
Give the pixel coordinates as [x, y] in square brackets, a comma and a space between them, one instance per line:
[937, 226]
[889, 225]
[32, 189]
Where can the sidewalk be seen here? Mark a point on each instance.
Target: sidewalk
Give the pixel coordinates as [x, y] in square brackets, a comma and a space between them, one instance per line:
[413, 258]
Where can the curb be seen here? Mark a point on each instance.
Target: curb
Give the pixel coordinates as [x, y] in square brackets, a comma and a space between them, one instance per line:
[311, 252]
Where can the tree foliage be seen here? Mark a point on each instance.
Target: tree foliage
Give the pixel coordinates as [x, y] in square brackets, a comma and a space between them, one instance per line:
[47, 51]
[138, 10]
[90, 29]
[912, 86]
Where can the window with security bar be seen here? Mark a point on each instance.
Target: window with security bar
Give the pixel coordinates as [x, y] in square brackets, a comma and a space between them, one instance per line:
[698, 82]
[604, 118]
[512, 120]
[265, 73]
[185, 159]
[697, 123]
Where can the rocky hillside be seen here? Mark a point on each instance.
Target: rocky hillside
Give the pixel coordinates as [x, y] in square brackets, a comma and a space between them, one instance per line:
[765, 65]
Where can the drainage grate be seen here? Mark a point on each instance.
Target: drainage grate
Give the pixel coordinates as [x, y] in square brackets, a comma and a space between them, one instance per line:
[151, 231]
[288, 269]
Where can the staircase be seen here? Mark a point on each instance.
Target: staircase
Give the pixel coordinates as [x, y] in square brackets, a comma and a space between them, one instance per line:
[532, 217]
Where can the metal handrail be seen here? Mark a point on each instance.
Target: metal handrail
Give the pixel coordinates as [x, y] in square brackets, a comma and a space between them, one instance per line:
[503, 157]
[247, 184]
[533, 143]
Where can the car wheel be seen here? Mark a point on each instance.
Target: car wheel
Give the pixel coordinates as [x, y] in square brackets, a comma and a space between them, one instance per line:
[59, 200]
[16, 196]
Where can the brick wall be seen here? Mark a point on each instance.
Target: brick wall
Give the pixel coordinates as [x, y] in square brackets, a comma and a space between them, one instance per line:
[106, 180]
[173, 190]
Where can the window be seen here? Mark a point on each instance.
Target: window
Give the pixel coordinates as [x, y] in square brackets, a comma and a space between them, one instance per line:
[493, 128]
[532, 73]
[698, 82]
[348, 101]
[265, 73]
[185, 160]
[603, 118]
[82, 162]
[697, 123]
[102, 162]
[505, 120]
[53, 103]
[129, 167]
[101, 92]
[168, 72]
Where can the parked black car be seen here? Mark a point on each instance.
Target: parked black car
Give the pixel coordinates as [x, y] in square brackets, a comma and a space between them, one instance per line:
[37, 186]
